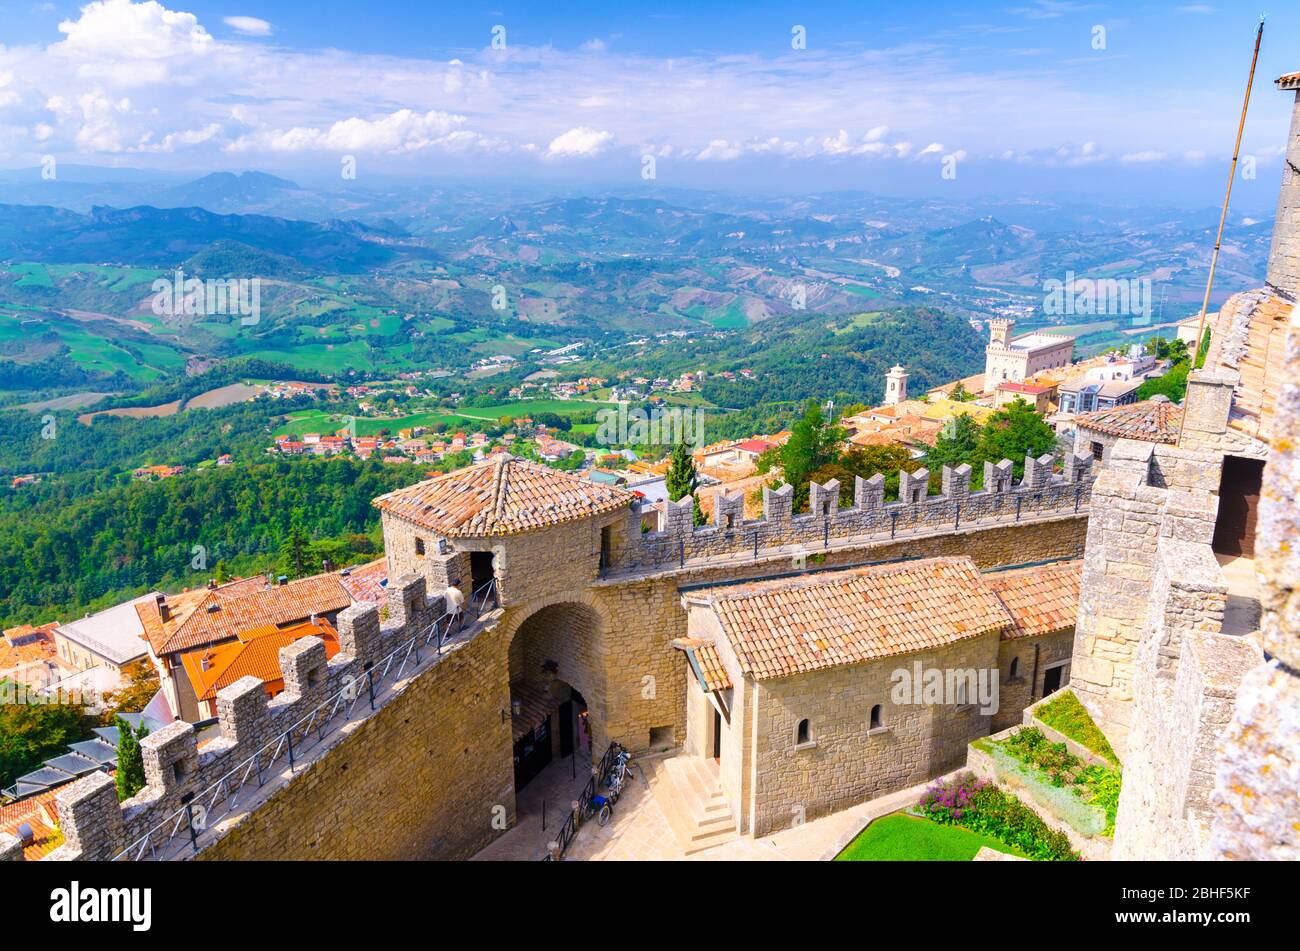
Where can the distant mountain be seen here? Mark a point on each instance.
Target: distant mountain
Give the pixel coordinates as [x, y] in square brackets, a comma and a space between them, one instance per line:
[165, 236]
[226, 191]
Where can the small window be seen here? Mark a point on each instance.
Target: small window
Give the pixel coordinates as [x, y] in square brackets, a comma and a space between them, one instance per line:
[1015, 668]
[313, 677]
[1098, 451]
[419, 547]
[961, 693]
[875, 717]
[178, 770]
[803, 734]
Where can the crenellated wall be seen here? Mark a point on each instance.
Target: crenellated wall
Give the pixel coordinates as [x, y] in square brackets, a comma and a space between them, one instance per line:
[362, 778]
[1041, 493]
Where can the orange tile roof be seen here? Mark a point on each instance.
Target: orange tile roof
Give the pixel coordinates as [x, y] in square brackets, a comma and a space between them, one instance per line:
[1249, 336]
[1150, 421]
[706, 655]
[365, 582]
[239, 607]
[1040, 600]
[256, 653]
[791, 626]
[41, 814]
[502, 496]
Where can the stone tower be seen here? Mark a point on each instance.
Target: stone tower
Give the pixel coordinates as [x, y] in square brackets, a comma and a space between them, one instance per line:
[895, 385]
[1284, 259]
[1000, 330]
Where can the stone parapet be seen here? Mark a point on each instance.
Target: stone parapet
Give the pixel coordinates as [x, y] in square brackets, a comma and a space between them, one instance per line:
[1041, 493]
[187, 783]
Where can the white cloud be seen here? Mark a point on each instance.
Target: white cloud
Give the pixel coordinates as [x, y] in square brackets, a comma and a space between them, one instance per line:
[581, 141]
[400, 131]
[248, 26]
[187, 90]
[1144, 157]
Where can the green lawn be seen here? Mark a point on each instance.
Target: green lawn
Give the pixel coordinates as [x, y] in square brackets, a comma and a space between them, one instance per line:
[904, 838]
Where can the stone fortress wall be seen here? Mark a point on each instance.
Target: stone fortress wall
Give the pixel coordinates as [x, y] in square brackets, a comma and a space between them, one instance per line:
[428, 773]
[1040, 493]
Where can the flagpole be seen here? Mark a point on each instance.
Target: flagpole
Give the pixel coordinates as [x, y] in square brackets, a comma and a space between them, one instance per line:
[1223, 216]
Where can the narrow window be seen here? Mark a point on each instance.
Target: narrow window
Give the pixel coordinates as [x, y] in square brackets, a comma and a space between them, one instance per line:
[1015, 668]
[802, 734]
[419, 547]
[875, 717]
[1098, 451]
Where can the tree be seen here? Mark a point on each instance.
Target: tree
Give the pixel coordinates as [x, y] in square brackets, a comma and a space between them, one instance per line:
[866, 461]
[293, 552]
[682, 479]
[140, 686]
[960, 394]
[130, 761]
[813, 443]
[1013, 432]
[958, 443]
[32, 730]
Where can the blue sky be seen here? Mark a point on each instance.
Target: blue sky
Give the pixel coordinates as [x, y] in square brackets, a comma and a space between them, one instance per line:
[1132, 100]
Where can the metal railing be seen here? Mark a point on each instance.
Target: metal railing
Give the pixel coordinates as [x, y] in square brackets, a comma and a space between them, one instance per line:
[184, 827]
[569, 829]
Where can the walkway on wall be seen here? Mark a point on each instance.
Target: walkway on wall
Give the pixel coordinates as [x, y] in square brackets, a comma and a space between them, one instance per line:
[833, 544]
[1242, 612]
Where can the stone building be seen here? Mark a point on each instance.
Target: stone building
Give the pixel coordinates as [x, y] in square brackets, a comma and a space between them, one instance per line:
[1017, 359]
[809, 695]
[1155, 420]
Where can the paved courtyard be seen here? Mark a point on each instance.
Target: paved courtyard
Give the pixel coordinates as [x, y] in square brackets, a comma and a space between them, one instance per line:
[639, 829]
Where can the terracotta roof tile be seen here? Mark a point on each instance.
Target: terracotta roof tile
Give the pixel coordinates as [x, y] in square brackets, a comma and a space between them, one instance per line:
[1150, 421]
[1249, 337]
[783, 627]
[706, 655]
[256, 654]
[502, 496]
[209, 616]
[1040, 600]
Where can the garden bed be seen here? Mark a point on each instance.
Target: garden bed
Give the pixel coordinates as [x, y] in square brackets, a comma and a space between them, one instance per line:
[899, 837]
[1063, 715]
[981, 806]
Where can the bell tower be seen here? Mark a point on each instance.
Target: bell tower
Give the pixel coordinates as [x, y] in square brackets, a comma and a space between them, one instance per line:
[895, 386]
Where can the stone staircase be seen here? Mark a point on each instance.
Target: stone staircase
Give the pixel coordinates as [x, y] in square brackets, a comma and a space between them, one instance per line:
[690, 795]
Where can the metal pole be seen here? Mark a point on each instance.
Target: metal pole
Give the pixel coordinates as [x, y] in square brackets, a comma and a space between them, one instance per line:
[1223, 216]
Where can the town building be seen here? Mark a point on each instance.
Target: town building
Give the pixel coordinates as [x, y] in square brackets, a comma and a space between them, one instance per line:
[895, 385]
[809, 695]
[172, 625]
[1016, 359]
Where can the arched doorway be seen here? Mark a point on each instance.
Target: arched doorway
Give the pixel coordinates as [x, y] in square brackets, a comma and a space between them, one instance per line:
[557, 688]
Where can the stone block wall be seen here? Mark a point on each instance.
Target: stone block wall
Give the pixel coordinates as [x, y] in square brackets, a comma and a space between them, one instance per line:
[427, 774]
[1129, 518]
[846, 762]
[1016, 694]
[1258, 768]
[1284, 258]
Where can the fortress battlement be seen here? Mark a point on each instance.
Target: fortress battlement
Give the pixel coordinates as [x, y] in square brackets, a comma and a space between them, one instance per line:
[1042, 492]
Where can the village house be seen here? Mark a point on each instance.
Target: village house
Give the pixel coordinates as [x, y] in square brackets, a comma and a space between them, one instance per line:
[805, 694]
[172, 625]
[255, 653]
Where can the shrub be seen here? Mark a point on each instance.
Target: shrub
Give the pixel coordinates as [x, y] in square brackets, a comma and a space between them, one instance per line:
[982, 807]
